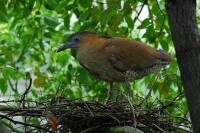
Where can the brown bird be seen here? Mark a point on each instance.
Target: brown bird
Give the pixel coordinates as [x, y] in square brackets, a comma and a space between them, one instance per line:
[116, 59]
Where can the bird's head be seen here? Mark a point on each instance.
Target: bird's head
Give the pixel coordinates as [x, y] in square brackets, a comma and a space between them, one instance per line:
[81, 39]
[72, 42]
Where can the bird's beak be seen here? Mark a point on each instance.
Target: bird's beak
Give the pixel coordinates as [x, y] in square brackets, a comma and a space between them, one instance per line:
[65, 46]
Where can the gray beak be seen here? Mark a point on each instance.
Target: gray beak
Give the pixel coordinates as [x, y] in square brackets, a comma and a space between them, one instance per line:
[65, 46]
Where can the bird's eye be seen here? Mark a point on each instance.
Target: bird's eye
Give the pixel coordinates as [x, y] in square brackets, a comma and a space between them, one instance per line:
[77, 39]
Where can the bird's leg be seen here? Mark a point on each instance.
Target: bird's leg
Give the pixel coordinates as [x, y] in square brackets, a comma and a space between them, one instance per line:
[128, 90]
[110, 93]
[128, 87]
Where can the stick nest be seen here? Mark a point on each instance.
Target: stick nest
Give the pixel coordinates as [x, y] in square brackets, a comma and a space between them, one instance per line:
[77, 116]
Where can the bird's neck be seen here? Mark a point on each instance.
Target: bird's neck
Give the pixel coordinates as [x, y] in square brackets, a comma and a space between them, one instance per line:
[92, 45]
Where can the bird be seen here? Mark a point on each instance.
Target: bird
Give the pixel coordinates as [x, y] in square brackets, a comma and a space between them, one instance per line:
[115, 59]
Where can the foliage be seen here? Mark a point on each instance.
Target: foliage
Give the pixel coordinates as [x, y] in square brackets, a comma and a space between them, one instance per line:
[31, 32]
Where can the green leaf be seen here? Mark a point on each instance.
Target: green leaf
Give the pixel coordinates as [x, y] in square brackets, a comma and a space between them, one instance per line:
[130, 23]
[110, 32]
[152, 39]
[85, 26]
[50, 4]
[34, 121]
[155, 10]
[3, 16]
[116, 20]
[34, 92]
[146, 22]
[164, 88]
[26, 11]
[5, 74]
[3, 85]
[3, 6]
[83, 77]
[3, 42]
[78, 93]
[159, 22]
[12, 73]
[41, 44]
[51, 29]
[69, 93]
[69, 78]
[48, 35]
[164, 44]
[67, 22]
[85, 3]
[149, 32]
[50, 22]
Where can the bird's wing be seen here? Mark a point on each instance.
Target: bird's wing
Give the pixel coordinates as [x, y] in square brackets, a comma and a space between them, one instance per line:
[124, 54]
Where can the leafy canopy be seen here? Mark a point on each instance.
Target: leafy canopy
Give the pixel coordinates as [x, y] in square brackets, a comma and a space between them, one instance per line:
[32, 31]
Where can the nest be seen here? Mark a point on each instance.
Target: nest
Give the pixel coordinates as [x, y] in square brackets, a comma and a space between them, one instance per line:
[78, 116]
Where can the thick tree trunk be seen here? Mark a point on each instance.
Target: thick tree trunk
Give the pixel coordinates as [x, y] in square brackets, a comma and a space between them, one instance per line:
[184, 30]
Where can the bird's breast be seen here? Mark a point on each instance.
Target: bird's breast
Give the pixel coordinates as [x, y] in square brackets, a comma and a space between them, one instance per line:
[98, 65]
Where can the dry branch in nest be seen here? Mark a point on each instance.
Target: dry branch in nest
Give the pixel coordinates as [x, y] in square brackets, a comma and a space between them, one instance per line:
[77, 116]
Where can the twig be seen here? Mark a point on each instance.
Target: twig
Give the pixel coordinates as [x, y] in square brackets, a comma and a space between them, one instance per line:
[149, 93]
[139, 11]
[27, 89]
[18, 122]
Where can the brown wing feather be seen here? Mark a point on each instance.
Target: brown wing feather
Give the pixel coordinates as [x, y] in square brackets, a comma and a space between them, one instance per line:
[125, 54]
